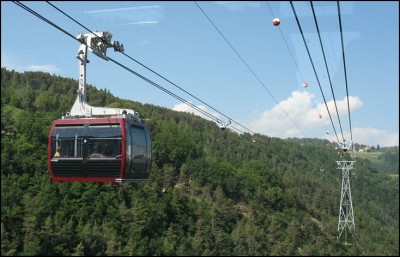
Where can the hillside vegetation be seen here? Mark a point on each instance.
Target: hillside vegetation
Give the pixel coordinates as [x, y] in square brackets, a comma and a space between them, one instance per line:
[211, 191]
[386, 160]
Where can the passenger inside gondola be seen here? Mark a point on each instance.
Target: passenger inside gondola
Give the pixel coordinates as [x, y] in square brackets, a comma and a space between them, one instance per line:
[58, 153]
[108, 151]
[102, 150]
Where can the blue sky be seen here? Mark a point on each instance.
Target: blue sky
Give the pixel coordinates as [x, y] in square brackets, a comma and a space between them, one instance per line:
[254, 76]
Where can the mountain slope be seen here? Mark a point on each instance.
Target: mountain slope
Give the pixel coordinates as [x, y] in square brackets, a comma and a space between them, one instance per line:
[211, 191]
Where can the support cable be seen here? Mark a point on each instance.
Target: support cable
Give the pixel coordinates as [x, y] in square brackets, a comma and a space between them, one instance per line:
[298, 69]
[315, 72]
[345, 73]
[326, 66]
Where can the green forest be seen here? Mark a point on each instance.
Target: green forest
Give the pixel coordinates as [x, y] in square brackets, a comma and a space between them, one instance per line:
[210, 192]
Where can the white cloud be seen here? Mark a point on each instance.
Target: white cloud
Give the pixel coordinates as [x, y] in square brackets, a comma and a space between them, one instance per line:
[12, 63]
[354, 103]
[149, 14]
[304, 113]
[290, 118]
[183, 107]
[52, 69]
[139, 23]
[8, 63]
[373, 137]
[124, 9]
[235, 6]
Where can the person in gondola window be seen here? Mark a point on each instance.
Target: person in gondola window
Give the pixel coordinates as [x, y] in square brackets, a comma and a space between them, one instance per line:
[101, 150]
[58, 153]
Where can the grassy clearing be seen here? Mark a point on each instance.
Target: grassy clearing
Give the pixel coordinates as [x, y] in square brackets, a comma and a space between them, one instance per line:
[372, 156]
[394, 176]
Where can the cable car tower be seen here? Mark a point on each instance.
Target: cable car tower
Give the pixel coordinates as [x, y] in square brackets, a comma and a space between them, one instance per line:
[346, 215]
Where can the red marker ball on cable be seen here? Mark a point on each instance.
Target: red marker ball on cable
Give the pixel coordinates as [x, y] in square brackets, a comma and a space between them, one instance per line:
[276, 21]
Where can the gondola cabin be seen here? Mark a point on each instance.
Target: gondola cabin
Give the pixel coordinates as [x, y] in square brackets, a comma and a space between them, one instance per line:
[98, 144]
[115, 149]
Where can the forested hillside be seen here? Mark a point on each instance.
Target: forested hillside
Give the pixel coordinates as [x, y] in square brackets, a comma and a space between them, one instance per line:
[211, 191]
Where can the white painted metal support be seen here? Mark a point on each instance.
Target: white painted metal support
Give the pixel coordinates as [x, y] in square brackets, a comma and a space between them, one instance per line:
[97, 42]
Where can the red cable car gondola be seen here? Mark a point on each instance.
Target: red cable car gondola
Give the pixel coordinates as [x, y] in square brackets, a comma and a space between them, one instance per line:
[98, 144]
[113, 149]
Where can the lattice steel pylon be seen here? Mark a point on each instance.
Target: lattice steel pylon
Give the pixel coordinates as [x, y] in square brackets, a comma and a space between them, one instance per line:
[346, 215]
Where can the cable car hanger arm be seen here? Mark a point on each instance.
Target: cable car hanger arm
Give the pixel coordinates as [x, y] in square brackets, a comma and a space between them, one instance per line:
[97, 42]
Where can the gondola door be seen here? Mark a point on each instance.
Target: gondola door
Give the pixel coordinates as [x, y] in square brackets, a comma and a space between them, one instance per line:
[138, 151]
